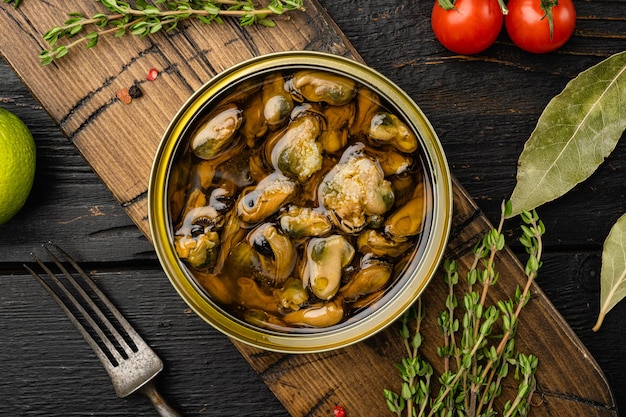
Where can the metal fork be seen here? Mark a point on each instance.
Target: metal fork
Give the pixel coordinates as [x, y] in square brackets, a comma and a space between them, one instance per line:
[131, 364]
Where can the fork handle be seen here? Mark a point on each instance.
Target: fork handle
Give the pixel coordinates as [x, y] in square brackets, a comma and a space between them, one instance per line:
[159, 403]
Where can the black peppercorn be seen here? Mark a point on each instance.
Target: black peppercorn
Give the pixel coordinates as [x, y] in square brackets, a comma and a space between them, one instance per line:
[135, 92]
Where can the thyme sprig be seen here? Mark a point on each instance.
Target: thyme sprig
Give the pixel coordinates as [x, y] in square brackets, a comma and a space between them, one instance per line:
[145, 19]
[16, 3]
[478, 350]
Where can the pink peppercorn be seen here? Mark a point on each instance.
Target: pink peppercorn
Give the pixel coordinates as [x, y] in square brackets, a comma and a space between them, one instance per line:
[339, 411]
[152, 74]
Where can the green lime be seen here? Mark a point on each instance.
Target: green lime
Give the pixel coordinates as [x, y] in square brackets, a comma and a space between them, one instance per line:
[17, 164]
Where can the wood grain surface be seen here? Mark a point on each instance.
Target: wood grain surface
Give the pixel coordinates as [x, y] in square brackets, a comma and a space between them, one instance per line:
[79, 96]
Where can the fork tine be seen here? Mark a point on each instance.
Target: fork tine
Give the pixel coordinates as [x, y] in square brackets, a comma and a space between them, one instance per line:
[105, 300]
[81, 329]
[101, 296]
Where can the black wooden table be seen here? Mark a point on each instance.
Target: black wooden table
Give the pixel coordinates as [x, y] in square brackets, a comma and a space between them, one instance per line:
[483, 108]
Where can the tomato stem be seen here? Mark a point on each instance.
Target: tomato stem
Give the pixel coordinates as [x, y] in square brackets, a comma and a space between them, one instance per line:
[503, 7]
[546, 6]
[447, 4]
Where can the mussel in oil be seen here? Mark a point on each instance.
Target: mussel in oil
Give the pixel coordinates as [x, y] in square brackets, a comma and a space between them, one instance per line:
[242, 291]
[264, 199]
[197, 241]
[217, 133]
[367, 104]
[374, 242]
[387, 128]
[354, 190]
[391, 161]
[326, 259]
[323, 314]
[334, 136]
[275, 253]
[372, 276]
[322, 86]
[297, 153]
[254, 125]
[408, 219]
[299, 222]
[277, 102]
[292, 295]
[250, 295]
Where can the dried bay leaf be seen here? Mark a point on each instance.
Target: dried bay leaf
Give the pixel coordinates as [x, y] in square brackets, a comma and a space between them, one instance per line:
[613, 274]
[577, 130]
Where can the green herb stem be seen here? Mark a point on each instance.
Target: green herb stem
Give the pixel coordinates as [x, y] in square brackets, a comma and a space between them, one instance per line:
[536, 251]
[481, 339]
[146, 19]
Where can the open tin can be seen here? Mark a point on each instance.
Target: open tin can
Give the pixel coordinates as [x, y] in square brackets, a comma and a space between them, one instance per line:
[242, 282]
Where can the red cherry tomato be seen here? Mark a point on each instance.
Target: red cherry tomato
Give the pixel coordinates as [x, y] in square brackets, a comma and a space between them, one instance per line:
[528, 24]
[470, 27]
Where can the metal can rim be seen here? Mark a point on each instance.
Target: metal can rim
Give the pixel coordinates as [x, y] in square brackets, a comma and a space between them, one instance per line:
[286, 342]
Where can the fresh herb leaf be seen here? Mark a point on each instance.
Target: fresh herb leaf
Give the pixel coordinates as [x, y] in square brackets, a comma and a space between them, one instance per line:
[16, 3]
[578, 129]
[613, 274]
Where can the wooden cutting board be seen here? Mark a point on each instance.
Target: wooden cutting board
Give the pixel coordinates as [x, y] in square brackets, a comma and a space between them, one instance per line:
[119, 141]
